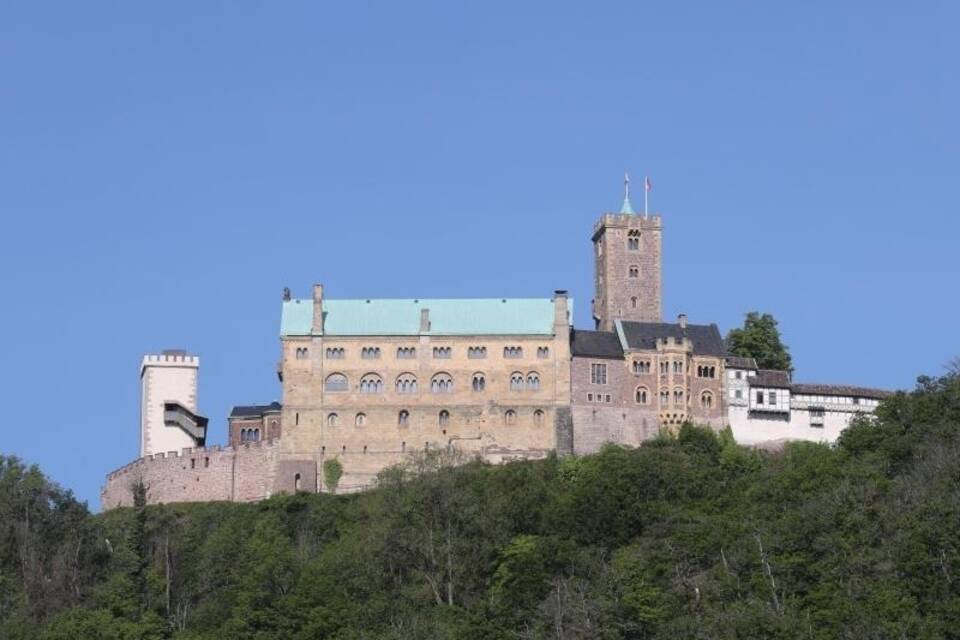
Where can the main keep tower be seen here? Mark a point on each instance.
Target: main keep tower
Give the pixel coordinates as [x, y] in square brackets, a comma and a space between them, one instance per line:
[627, 266]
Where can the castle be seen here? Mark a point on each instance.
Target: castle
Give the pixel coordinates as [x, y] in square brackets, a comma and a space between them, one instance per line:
[369, 381]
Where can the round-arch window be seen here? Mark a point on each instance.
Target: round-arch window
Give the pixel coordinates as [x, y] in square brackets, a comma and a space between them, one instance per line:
[336, 382]
[361, 419]
[332, 419]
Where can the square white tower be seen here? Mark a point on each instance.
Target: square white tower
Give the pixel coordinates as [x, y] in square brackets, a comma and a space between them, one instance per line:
[168, 377]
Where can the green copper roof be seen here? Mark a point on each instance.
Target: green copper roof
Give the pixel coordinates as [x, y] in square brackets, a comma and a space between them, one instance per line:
[627, 207]
[401, 317]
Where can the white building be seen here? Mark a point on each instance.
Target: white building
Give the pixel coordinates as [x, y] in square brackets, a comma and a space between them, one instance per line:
[765, 406]
[168, 403]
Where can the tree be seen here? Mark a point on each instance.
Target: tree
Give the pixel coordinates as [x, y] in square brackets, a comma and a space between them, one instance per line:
[332, 472]
[760, 339]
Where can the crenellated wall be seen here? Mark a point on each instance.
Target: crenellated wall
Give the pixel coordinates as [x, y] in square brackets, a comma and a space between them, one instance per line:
[239, 474]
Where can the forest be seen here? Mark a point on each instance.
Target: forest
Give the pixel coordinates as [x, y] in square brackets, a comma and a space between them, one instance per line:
[688, 536]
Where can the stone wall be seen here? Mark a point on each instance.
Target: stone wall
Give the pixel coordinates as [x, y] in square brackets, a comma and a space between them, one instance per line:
[240, 474]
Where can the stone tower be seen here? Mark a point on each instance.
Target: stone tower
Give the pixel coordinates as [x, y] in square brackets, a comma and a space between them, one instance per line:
[627, 266]
[166, 379]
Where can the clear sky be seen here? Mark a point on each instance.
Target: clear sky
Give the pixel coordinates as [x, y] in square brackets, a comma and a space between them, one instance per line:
[167, 168]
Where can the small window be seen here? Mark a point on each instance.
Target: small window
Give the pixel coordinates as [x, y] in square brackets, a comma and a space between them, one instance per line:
[739, 375]
[538, 417]
[406, 383]
[403, 418]
[206, 462]
[856, 401]
[678, 398]
[441, 383]
[516, 381]
[360, 420]
[336, 382]
[738, 394]
[664, 368]
[513, 352]
[335, 353]
[371, 383]
[406, 353]
[642, 395]
[533, 381]
[598, 373]
[443, 418]
[664, 398]
[510, 417]
[296, 482]
[442, 353]
[589, 397]
[370, 353]
[772, 398]
[332, 419]
[477, 353]
[479, 382]
[543, 353]
[634, 302]
[706, 400]
[759, 397]
[301, 353]
[634, 271]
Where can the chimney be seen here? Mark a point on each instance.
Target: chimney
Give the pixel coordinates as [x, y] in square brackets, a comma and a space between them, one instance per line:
[424, 320]
[286, 294]
[561, 308]
[682, 320]
[317, 328]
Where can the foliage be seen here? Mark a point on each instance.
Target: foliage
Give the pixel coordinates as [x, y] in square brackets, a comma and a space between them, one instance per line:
[760, 339]
[688, 536]
[332, 472]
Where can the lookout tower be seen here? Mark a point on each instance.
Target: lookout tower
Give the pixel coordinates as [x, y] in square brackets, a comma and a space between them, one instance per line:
[168, 403]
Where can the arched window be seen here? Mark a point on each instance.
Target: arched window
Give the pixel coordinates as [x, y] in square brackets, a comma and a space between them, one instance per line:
[335, 353]
[538, 417]
[371, 383]
[633, 240]
[441, 383]
[678, 397]
[543, 353]
[642, 396]
[256, 435]
[332, 419]
[533, 381]
[370, 353]
[360, 420]
[296, 482]
[442, 353]
[406, 383]
[706, 400]
[634, 271]
[664, 398]
[479, 382]
[516, 381]
[510, 417]
[301, 353]
[443, 418]
[477, 353]
[406, 353]
[336, 382]
[243, 435]
[403, 418]
[634, 302]
[513, 352]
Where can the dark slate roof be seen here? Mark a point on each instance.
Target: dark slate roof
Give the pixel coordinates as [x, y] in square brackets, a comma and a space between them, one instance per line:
[595, 344]
[644, 335]
[254, 410]
[738, 362]
[839, 390]
[770, 378]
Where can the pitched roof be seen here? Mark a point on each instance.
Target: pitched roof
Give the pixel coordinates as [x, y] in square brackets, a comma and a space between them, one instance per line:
[739, 362]
[839, 390]
[770, 378]
[595, 344]
[644, 335]
[254, 410]
[401, 317]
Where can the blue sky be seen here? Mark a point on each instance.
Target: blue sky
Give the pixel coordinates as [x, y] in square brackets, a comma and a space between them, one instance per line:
[167, 168]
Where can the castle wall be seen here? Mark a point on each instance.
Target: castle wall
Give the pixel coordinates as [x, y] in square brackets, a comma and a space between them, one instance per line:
[196, 475]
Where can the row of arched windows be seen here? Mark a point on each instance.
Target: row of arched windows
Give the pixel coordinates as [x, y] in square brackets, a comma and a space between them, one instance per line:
[409, 353]
[641, 366]
[249, 435]
[301, 353]
[406, 383]
[706, 372]
[403, 420]
[633, 240]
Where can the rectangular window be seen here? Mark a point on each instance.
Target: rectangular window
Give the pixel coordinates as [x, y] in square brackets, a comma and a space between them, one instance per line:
[759, 397]
[739, 375]
[816, 417]
[589, 397]
[606, 398]
[598, 373]
[772, 397]
[739, 394]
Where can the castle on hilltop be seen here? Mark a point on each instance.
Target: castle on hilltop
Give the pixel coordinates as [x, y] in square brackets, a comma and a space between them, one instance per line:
[369, 381]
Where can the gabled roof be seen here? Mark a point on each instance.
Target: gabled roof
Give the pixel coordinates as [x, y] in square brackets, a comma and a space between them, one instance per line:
[401, 317]
[254, 410]
[644, 335]
[770, 378]
[839, 390]
[595, 344]
[739, 362]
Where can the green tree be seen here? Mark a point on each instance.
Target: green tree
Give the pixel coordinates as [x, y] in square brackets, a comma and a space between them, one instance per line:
[332, 472]
[760, 339]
